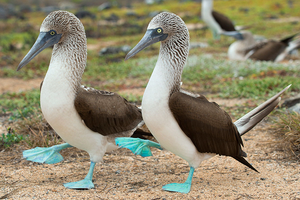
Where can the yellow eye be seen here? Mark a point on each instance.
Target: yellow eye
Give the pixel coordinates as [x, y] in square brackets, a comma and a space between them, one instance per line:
[159, 30]
[52, 32]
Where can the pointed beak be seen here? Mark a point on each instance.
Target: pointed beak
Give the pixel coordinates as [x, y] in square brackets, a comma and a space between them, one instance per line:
[43, 41]
[149, 38]
[237, 35]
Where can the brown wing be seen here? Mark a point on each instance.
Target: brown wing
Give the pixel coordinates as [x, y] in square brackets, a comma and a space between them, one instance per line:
[256, 46]
[268, 51]
[106, 113]
[206, 124]
[224, 22]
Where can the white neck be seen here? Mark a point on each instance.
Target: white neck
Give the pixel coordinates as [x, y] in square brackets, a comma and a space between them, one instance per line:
[157, 115]
[207, 6]
[62, 79]
[166, 76]
[206, 15]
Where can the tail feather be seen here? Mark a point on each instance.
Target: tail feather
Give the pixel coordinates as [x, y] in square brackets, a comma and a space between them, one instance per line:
[142, 132]
[293, 45]
[245, 162]
[248, 121]
[139, 133]
[288, 39]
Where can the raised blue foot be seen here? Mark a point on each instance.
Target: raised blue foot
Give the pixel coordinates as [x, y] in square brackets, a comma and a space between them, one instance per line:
[181, 187]
[86, 183]
[137, 146]
[49, 155]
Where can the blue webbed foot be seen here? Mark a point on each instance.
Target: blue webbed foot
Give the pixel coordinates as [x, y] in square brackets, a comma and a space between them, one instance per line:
[178, 187]
[137, 146]
[181, 187]
[83, 184]
[49, 155]
[86, 183]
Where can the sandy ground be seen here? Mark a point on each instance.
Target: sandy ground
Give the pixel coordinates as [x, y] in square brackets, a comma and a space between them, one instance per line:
[18, 85]
[125, 176]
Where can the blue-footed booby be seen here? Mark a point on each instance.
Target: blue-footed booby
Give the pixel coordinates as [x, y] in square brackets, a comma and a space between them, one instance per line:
[187, 124]
[239, 50]
[85, 118]
[268, 50]
[217, 22]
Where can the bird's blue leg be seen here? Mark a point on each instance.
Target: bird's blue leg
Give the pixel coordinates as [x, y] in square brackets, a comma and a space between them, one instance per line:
[86, 183]
[49, 155]
[181, 187]
[137, 146]
[216, 35]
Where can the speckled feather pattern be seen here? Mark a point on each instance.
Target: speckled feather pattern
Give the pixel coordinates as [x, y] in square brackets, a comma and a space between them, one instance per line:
[186, 127]
[174, 50]
[72, 42]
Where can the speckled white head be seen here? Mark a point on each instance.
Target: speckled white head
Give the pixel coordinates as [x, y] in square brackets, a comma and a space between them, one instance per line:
[171, 24]
[63, 22]
[171, 31]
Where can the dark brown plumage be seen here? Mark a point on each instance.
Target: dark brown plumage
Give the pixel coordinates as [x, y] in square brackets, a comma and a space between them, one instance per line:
[208, 126]
[224, 22]
[269, 50]
[89, 98]
[98, 109]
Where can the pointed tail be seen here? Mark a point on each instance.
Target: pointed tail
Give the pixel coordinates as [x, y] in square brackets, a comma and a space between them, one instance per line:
[248, 121]
[142, 132]
[245, 162]
[293, 45]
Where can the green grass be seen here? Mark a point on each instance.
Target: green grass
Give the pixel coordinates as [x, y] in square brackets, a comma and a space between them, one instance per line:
[9, 139]
[213, 75]
[23, 101]
[234, 79]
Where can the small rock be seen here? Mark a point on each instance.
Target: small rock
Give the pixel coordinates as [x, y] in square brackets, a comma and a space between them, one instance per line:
[85, 14]
[104, 6]
[153, 14]
[291, 101]
[132, 14]
[198, 45]
[295, 108]
[114, 50]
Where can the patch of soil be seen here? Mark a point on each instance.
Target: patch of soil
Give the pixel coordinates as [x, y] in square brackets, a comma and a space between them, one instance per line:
[125, 176]
[17, 85]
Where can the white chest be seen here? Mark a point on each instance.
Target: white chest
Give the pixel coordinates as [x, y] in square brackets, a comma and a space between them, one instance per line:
[57, 104]
[160, 120]
[236, 51]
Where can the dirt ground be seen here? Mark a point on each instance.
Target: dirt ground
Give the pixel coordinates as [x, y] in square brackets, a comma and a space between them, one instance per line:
[125, 176]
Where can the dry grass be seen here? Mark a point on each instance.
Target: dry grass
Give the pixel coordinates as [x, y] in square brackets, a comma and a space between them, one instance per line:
[37, 131]
[288, 126]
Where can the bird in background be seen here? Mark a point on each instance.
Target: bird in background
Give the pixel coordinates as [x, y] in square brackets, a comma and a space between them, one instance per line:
[267, 50]
[218, 22]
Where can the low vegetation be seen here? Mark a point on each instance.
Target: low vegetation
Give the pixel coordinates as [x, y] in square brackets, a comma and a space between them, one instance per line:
[287, 126]
[207, 72]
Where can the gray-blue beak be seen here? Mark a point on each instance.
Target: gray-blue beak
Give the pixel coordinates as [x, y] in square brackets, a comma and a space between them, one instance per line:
[237, 35]
[151, 36]
[44, 40]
